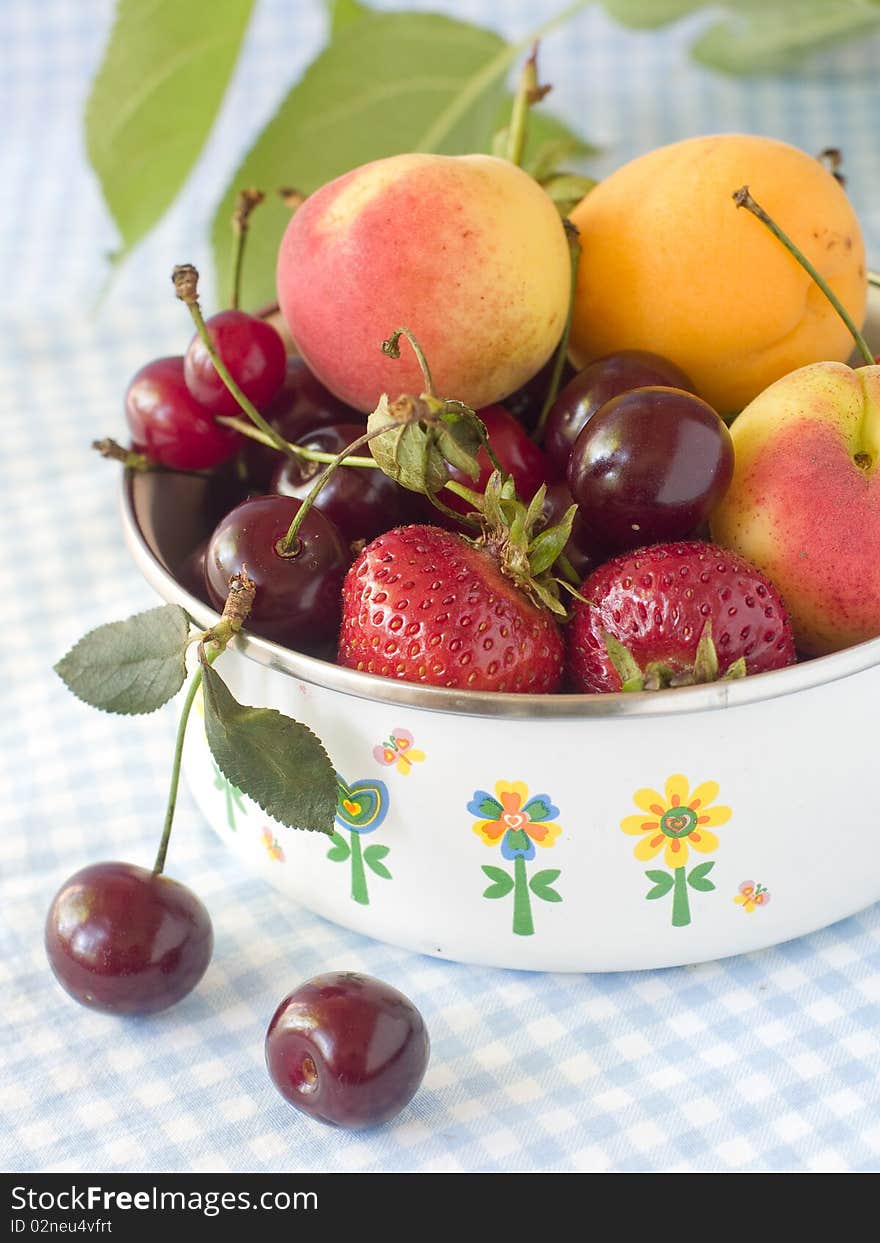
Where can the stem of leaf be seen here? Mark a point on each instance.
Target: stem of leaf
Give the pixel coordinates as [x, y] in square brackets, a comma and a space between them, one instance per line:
[442, 126]
[392, 349]
[743, 198]
[245, 203]
[574, 248]
[528, 92]
[195, 683]
[308, 455]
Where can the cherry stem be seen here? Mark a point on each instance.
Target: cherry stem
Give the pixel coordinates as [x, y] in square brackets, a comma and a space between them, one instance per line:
[528, 92]
[466, 494]
[245, 203]
[235, 611]
[574, 250]
[186, 283]
[111, 449]
[743, 198]
[288, 546]
[391, 347]
[308, 455]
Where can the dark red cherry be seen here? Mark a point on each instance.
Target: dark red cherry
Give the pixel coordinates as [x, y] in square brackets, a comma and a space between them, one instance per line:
[252, 350]
[361, 501]
[123, 940]
[519, 456]
[302, 405]
[591, 388]
[298, 597]
[169, 425]
[347, 1049]
[584, 549]
[650, 466]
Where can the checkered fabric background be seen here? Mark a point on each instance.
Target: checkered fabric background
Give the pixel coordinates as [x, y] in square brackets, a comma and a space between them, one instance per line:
[766, 1062]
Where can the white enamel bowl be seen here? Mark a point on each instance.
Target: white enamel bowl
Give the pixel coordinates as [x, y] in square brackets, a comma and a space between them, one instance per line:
[764, 802]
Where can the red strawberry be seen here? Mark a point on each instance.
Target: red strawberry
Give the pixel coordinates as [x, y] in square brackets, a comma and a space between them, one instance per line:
[424, 605]
[653, 606]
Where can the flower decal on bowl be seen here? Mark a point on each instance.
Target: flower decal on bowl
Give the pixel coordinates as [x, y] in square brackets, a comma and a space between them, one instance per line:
[398, 751]
[360, 809]
[273, 848]
[517, 824]
[671, 825]
[752, 894]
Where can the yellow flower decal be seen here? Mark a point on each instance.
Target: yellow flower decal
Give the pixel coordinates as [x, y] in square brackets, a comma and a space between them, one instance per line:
[676, 821]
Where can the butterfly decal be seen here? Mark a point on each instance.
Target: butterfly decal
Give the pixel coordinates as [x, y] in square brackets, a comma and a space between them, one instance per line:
[398, 751]
[752, 895]
[273, 847]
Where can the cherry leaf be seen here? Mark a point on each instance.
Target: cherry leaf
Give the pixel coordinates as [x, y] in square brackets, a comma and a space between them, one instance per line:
[129, 667]
[153, 102]
[276, 761]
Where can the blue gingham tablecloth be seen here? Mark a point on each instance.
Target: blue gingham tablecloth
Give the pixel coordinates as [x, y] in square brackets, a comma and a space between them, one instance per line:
[765, 1062]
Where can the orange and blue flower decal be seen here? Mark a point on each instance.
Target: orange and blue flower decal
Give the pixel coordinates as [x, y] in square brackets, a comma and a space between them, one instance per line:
[360, 809]
[672, 824]
[398, 751]
[509, 818]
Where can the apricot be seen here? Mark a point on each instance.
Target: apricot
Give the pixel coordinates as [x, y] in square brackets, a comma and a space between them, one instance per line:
[804, 502]
[670, 264]
[468, 252]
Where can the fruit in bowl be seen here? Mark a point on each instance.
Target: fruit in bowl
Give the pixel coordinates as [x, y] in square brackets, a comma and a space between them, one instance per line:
[483, 283]
[441, 629]
[674, 270]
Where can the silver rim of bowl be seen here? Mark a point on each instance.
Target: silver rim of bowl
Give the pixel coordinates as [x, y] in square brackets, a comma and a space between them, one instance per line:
[753, 689]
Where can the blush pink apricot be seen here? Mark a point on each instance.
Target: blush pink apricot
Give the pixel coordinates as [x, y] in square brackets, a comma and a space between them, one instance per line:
[804, 504]
[468, 252]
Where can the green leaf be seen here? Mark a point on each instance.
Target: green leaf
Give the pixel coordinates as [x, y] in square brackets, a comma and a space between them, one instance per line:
[154, 100]
[650, 13]
[545, 548]
[502, 882]
[131, 666]
[406, 453]
[541, 882]
[343, 12]
[373, 856]
[697, 877]
[340, 850]
[276, 761]
[663, 882]
[568, 189]
[388, 83]
[768, 37]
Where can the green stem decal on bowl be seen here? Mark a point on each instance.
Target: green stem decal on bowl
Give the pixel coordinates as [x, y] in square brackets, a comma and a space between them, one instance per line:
[361, 807]
[517, 823]
[674, 823]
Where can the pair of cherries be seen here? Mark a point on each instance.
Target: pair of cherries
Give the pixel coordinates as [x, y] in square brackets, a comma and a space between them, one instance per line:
[345, 1048]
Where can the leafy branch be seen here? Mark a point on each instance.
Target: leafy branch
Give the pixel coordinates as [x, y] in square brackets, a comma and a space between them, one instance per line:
[385, 83]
